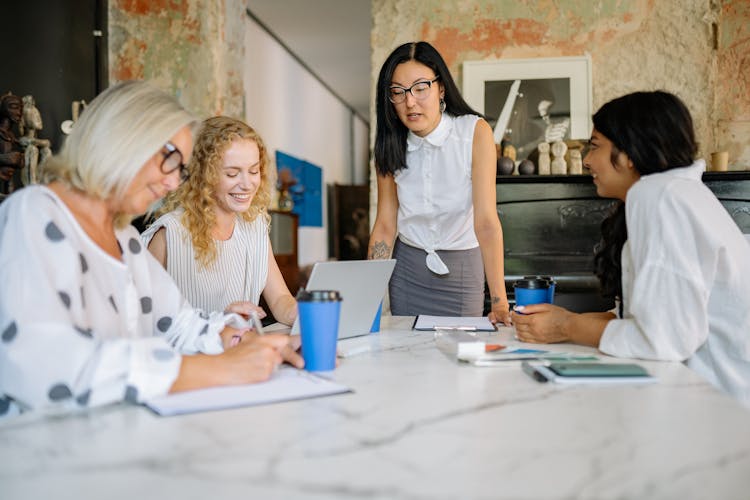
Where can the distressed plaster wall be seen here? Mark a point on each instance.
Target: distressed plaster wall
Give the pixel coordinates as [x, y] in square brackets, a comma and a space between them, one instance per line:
[634, 45]
[732, 82]
[191, 48]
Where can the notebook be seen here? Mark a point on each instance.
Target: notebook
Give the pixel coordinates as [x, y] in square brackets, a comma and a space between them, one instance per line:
[361, 284]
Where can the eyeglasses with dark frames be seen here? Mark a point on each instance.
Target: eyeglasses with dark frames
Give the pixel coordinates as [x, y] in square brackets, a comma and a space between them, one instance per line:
[420, 91]
[172, 161]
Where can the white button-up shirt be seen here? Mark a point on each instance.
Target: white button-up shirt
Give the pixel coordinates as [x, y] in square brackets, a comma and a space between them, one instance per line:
[434, 193]
[686, 281]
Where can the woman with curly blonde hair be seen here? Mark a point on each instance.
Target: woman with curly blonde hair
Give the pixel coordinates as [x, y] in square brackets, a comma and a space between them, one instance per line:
[212, 236]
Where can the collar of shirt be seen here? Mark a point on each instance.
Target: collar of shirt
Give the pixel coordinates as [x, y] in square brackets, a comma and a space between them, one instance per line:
[692, 172]
[437, 137]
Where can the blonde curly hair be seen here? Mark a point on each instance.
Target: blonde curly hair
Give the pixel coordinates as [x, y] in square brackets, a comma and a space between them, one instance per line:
[196, 196]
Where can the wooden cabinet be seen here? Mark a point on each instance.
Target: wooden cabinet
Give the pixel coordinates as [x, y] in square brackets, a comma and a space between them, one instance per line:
[284, 242]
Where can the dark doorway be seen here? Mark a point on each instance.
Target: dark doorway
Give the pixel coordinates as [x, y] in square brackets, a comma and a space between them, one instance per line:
[57, 52]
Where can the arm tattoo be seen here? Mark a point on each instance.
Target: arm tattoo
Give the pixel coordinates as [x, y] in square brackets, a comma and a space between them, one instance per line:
[495, 300]
[380, 250]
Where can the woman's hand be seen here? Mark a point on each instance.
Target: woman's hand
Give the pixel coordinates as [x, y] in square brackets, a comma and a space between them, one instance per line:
[253, 360]
[541, 323]
[500, 313]
[230, 337]
[290, 352]
[245, 309]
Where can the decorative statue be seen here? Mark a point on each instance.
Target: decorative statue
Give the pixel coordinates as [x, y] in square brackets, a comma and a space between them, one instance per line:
[544, 161]
[36, 150]
[509, 151]
[11, 152]
[559, 167]
[75, 108]
[576, 163]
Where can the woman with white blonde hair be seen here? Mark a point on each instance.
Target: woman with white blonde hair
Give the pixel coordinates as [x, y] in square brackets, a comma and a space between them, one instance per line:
[82, 298]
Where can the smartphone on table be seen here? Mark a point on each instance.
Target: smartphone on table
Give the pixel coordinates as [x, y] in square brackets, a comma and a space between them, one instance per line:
[573, 372]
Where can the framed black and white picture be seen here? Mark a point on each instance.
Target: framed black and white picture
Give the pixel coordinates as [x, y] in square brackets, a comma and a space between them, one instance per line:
[528, 101]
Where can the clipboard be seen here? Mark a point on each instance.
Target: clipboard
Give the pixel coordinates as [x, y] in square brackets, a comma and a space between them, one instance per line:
[426, 322]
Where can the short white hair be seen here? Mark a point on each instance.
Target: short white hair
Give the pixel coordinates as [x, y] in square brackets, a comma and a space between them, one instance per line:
[117, 133]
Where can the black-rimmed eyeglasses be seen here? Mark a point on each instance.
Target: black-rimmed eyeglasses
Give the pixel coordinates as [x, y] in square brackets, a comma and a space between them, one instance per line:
[172, 161]
[419, 90]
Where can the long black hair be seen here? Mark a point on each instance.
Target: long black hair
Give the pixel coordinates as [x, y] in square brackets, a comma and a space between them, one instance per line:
[655, 130]
[390, 137]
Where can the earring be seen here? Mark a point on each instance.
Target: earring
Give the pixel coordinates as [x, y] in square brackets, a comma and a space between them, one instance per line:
[442, 105]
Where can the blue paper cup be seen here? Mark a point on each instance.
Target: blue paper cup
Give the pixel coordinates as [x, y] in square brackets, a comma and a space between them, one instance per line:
[532, 291]
[319, 312]
[376, 322]
[550, 290]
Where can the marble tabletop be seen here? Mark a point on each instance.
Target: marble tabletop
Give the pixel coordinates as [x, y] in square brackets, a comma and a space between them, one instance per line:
[419, 425]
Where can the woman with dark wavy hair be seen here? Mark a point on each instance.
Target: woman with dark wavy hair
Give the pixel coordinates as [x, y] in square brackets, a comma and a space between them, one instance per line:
[436, 162]
[212, 236]
[670, 255]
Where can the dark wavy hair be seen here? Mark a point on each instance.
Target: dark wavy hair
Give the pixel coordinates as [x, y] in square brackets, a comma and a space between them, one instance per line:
[390, 137]
[655, 130]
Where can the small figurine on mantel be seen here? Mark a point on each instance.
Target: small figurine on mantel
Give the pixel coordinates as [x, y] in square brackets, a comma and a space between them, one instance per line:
[576, 162]
[543, 164]
[558, 166]
[36, 150]
[11, 152]
[509, 152]
[284, 183]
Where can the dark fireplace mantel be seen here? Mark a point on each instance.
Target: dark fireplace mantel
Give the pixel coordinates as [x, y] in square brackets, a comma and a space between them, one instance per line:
[551, 224]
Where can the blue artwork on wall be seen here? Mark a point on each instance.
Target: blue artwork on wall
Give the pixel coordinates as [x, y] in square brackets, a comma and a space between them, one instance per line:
[307, 191]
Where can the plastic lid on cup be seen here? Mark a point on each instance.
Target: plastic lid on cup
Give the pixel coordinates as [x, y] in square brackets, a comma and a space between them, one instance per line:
[538, 277]
[532, 283]
[318, 295]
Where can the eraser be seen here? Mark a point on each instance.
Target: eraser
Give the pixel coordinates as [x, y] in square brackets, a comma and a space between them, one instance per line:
[473, 348]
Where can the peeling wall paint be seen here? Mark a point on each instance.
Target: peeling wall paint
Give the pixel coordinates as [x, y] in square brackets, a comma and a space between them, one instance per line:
[191, 48]
[634, 45]
[732, 87]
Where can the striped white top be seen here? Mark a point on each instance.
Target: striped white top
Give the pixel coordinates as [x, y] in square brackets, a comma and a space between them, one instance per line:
[239, 272]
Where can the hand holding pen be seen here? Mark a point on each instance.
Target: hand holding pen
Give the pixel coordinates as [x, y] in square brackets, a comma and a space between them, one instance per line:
[257, 326]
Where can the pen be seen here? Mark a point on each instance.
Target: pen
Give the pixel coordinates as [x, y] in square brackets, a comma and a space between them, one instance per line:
[530, 370]
[462, 328]
[257, 325]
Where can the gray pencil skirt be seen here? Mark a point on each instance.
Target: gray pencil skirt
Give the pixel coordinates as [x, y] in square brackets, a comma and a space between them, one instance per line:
[414, 289]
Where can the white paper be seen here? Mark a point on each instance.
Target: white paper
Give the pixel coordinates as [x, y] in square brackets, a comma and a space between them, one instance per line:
[286, 384]
[467, 323]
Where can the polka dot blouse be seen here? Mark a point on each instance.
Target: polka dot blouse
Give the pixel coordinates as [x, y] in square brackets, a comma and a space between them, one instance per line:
[78, 327]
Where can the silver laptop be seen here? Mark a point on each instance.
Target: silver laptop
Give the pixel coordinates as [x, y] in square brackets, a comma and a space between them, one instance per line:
[361, 284]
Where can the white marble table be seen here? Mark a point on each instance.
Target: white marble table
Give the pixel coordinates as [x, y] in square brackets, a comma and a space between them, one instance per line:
[419, 426]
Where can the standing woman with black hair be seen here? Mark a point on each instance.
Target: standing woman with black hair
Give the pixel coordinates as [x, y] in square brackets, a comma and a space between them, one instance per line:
[670, 254]
[436, 162]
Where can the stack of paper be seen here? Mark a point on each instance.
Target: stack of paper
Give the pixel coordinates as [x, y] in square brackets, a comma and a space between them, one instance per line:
[495, 354]
[286, 384]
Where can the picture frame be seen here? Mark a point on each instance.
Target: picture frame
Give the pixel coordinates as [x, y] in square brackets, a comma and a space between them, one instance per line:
[535, 98]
